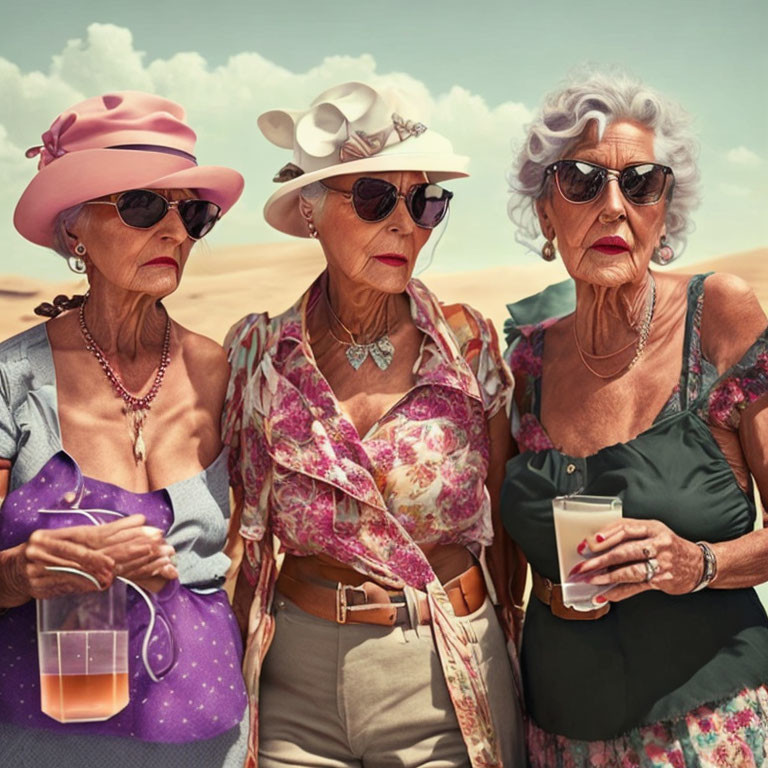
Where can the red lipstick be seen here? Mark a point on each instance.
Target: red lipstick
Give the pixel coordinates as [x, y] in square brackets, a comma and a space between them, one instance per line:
[162, 261]
[391, 259]
[611, 245]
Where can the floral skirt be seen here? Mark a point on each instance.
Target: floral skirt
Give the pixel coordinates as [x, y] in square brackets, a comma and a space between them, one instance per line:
[730, 734]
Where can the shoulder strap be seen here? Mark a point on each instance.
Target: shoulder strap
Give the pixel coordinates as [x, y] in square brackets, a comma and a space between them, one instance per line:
[691, 369]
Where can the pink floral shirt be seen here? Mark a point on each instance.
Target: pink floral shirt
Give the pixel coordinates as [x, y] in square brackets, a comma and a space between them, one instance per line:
[311, 484]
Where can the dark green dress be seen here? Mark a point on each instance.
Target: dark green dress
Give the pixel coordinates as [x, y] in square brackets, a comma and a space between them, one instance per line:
[654, 658]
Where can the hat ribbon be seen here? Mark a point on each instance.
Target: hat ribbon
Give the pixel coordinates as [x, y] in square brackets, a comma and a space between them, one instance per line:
[157, 148]
[51, 148]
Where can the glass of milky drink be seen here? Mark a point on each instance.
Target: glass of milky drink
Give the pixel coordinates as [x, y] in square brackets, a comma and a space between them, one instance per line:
[577, 517]
[82, 644]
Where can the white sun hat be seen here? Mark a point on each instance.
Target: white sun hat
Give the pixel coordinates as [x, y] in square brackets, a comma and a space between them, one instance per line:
[350, 128]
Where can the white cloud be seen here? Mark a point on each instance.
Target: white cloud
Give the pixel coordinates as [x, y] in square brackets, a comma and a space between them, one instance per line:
[223, 103]
[743, 156]
[105, 61]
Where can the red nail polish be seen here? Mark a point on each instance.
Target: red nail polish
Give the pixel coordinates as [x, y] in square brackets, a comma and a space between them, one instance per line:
[600, 599]
[599, 538]
[581, 547]
[576, 568]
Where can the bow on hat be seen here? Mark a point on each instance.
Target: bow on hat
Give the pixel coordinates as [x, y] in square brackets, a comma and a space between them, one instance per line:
[348, 122]
[51, 147]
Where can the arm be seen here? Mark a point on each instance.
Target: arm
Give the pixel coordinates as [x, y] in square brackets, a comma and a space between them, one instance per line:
[506, 561]
[238, 587]
[126, 547]
[744, 561]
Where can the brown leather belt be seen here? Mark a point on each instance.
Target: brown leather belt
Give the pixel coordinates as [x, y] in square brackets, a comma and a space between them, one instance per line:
[370, 603]
[551, 594]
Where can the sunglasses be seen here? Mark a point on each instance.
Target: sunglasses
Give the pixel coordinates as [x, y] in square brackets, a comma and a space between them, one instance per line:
[375, 199]
[143, 208]
[581, 182]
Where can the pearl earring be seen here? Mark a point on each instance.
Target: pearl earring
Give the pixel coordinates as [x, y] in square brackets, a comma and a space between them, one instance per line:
[663, 252]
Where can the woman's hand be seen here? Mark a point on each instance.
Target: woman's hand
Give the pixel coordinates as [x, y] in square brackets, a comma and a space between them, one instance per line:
[25, 568]
[630, 550]
[125, 547]
[140, 552]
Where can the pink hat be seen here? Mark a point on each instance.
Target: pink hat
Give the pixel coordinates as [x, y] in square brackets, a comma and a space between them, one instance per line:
[111, 143]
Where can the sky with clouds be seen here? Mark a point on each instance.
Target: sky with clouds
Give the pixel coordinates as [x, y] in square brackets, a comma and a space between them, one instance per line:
[476, 71]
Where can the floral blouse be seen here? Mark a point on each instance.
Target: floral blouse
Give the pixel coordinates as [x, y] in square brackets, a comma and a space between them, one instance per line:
[311, 484]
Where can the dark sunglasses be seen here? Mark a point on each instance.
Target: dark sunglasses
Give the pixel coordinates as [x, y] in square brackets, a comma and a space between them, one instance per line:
[581, 182]
[143, 208]
[375, 199]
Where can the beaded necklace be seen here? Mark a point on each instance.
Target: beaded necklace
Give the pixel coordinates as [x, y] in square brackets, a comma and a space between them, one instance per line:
[136, 408]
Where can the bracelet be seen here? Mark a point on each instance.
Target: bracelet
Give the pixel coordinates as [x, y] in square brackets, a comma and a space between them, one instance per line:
[710, 566]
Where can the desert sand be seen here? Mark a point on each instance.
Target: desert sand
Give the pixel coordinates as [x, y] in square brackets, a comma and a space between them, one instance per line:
[223, 284]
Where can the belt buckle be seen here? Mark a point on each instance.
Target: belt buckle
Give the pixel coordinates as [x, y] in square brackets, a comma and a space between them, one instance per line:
[342, 606]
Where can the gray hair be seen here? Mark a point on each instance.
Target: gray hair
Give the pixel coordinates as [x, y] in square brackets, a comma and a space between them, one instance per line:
[314, 194]
[603, 98]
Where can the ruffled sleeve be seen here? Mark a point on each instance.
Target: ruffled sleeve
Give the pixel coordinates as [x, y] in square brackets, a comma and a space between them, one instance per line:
[739, 387]
[524, 356]
[479, 346]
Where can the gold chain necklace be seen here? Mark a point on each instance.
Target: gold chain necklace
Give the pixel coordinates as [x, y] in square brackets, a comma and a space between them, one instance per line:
[642, 339]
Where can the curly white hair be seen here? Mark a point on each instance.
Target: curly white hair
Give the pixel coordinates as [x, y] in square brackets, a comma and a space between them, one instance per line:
[604, 97]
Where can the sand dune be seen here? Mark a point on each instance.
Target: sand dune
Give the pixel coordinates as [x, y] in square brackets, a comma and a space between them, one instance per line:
[222, 285]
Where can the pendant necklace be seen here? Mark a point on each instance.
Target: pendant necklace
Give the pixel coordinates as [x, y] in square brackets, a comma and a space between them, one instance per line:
[381, 350]
[135, 408]
[642, 339]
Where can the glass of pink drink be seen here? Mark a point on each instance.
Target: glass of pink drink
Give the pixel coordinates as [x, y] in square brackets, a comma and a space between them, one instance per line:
[83, 652]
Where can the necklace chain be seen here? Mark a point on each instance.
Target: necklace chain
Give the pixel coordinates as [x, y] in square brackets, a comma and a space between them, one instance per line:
[642, 340]
[381, 349]
[134, 407]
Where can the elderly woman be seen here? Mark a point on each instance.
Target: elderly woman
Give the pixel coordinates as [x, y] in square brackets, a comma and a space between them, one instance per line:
[651, 391]
[367, 424]
[112, 409]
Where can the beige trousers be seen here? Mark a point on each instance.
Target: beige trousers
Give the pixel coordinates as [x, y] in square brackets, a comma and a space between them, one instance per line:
[364, 696]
